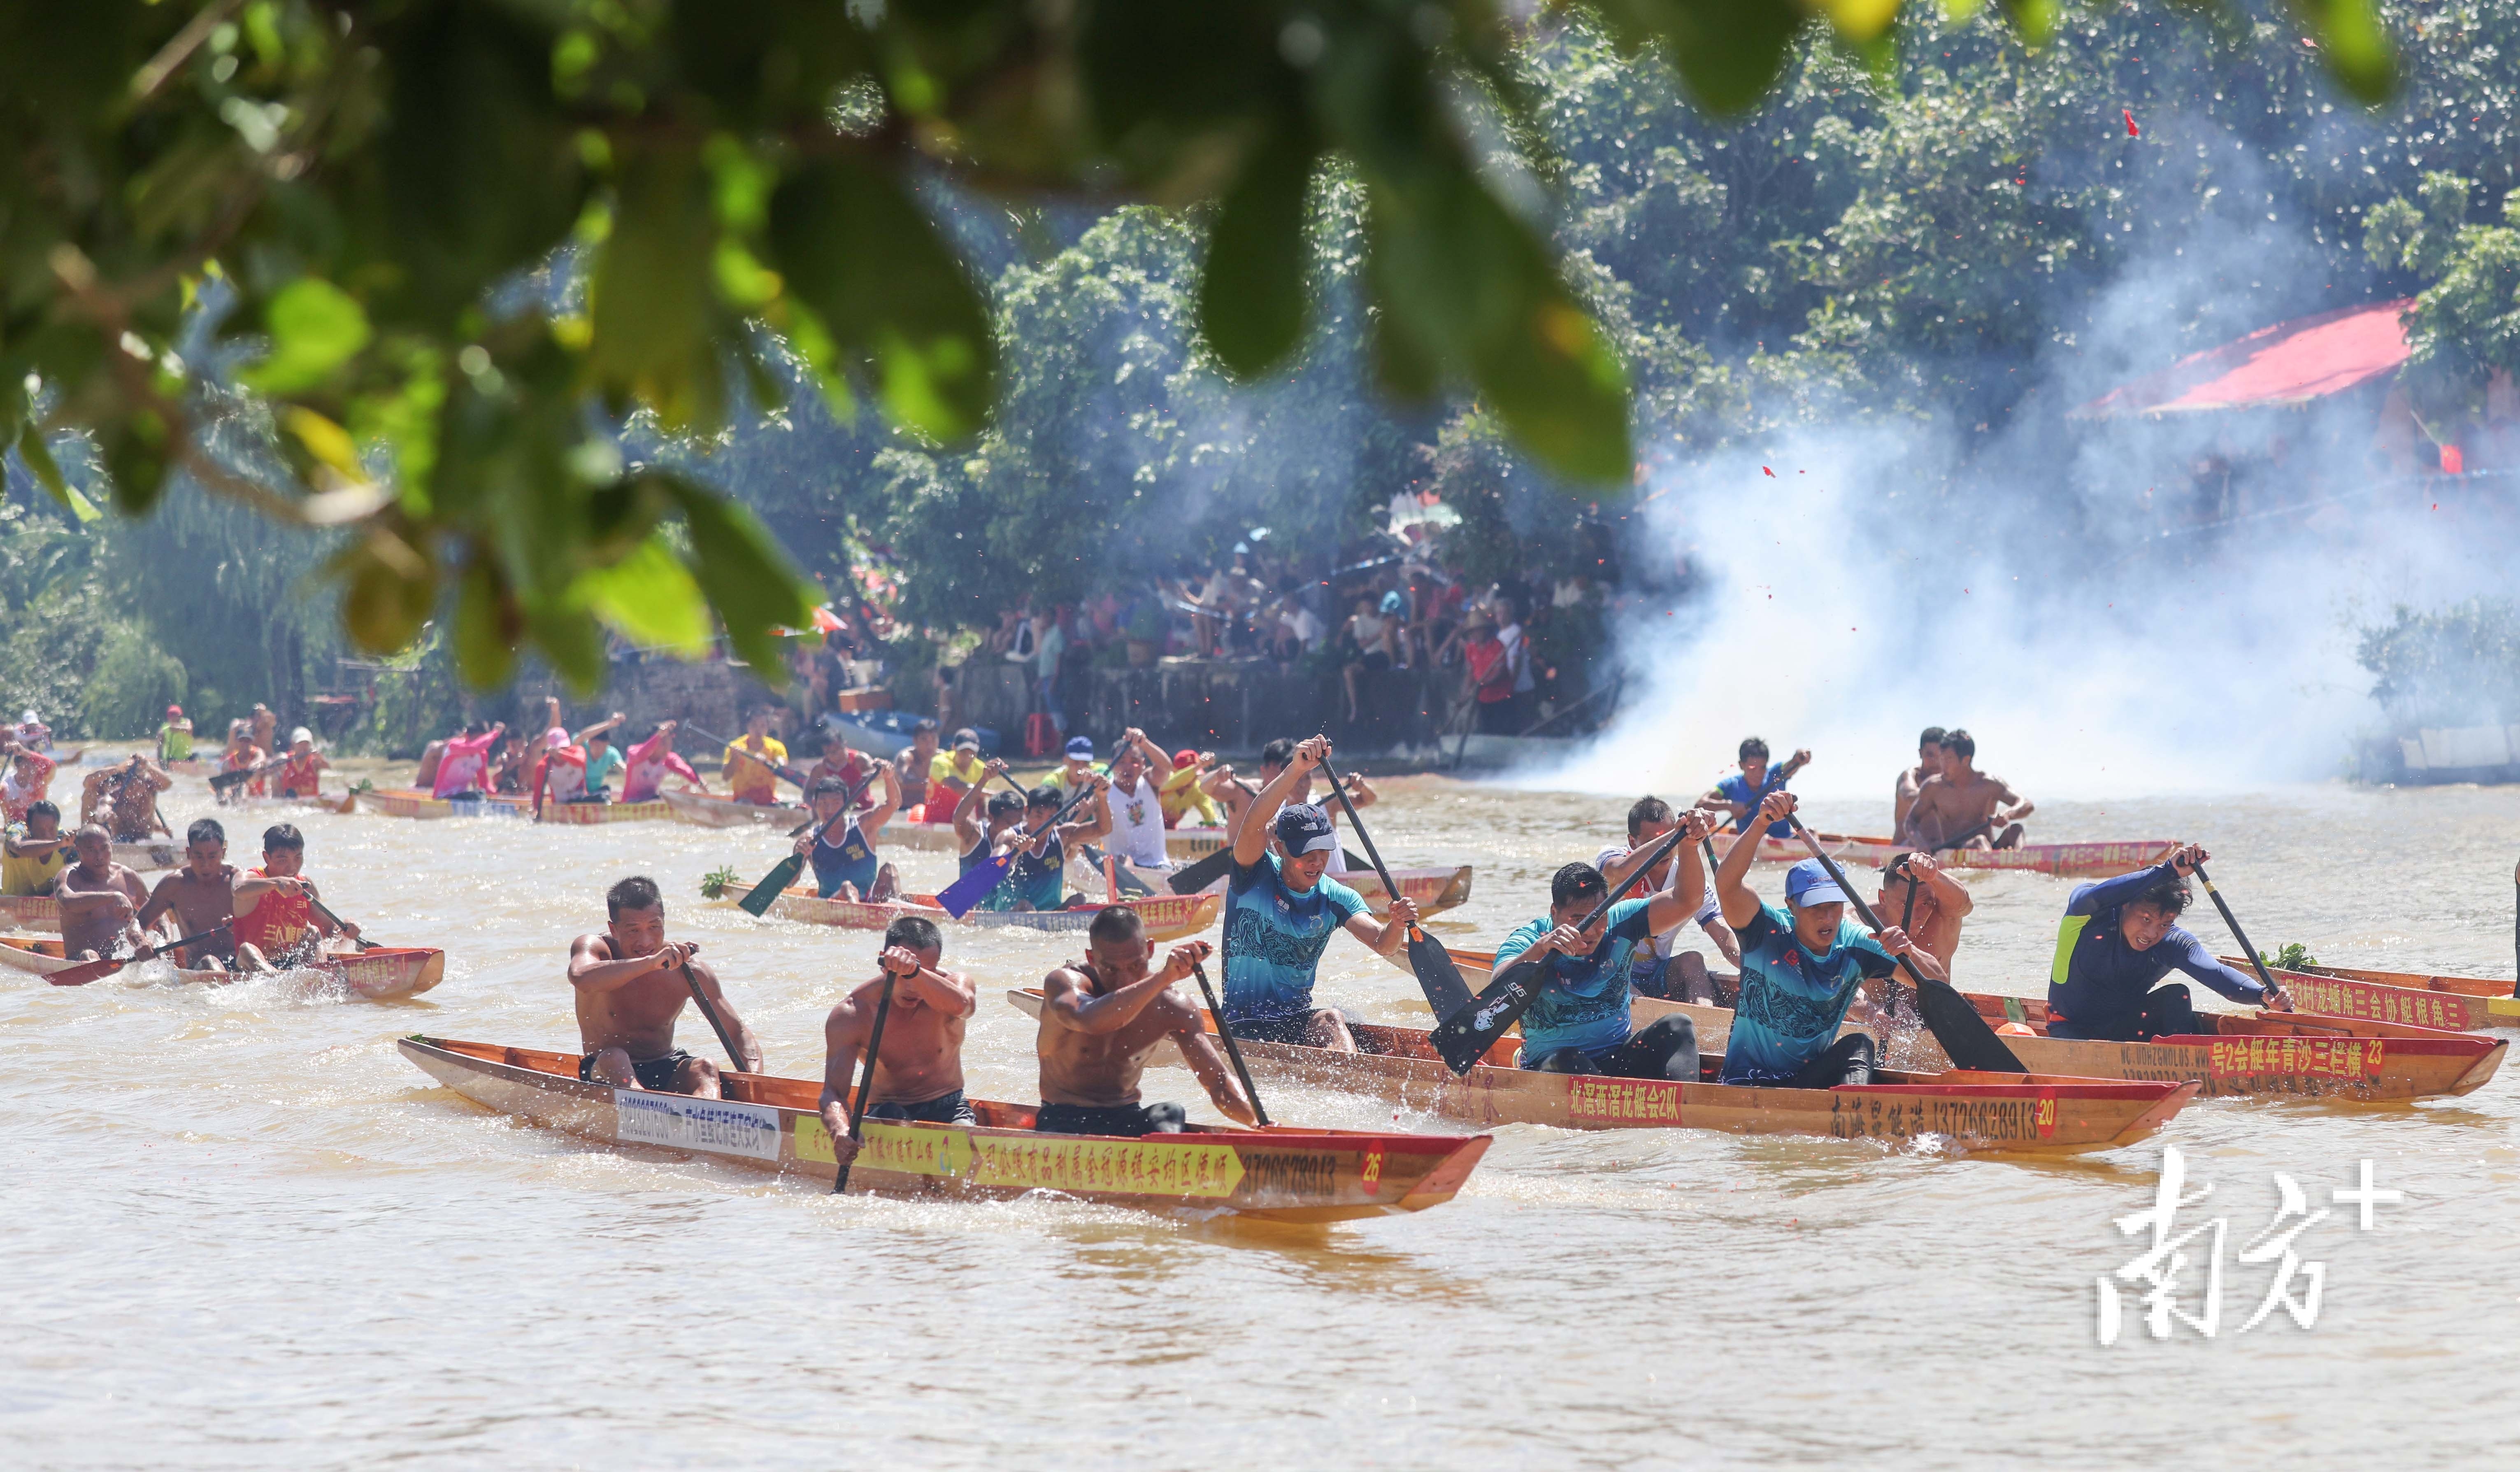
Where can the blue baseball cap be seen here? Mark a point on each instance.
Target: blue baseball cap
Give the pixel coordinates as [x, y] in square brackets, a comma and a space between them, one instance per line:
[1808, 884]
[1304, 829]
[1080, 746]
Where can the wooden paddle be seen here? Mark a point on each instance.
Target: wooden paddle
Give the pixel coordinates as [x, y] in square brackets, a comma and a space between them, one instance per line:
[2265, 978]
[1428, 960]
[788, 773]
[1233, 1050]
[228, 781]
[90, 971]
[784, 873]
[1465, 1037]
[1191, 877]
[1965, 1037]
[717, 1024]
[865, 1076]
[361, 941]
[958, 897]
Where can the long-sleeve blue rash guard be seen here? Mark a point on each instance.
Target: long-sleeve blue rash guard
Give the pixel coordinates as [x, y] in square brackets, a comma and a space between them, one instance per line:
[2099, 981]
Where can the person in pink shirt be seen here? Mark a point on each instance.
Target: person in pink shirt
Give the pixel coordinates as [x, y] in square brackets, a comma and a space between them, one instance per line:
[651, 761]
[465, 764]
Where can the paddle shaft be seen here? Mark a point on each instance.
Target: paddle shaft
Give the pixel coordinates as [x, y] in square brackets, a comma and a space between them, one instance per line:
[866, 1074]
[97, 970]
[717, 1024]
[2255, 963]
[1372, 855]
[362, 941]
[793, 776]
[1002, 863]
[1233, 1050]
[758, 898]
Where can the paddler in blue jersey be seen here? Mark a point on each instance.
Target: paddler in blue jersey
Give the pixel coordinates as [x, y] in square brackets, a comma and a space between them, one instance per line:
[2121, 936]
[1741, 793]
[1278, 914]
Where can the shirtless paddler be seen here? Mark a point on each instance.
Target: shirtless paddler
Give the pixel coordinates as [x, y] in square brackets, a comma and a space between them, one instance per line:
[1100, 1019]
[918, 1068]
[630, 991]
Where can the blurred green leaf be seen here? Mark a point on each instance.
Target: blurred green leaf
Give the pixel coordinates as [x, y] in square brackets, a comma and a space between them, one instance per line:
[38, 458]
[651, 315]
[652, 597]
[1251, 287]
[750, 584]
[2356, 45]
[1729, 51]
[856, 249]
[485, 646]
[315, 328]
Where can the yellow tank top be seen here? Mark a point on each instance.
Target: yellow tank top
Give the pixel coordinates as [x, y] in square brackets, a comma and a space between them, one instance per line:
[28, 876]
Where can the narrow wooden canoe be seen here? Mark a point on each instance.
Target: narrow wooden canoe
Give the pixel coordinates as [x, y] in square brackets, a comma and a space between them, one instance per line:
[1167, 917]
[773, 1123]
[1972, 1111]
[581, 813]
[411, 802]
[150, 854]
[30, 912]
[2414, 1063]
[2074, 860]
[388, 973]
[2459, 1003]
[1435, 889]
[709, 810]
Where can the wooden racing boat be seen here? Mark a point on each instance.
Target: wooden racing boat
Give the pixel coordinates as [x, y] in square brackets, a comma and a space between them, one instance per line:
[150, 853]
[411, 802]
[2297, 1055]
[650, 811]
[1167, 917]
[709, 810]
[1972, 1111]
[388, 973]
[1434, 888]
[2457, 1003]
[2086, 861]
[30, 912]
[1180, 844]
[767, 1122]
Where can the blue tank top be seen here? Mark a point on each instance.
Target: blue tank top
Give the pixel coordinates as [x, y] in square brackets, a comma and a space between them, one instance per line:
[851, 861]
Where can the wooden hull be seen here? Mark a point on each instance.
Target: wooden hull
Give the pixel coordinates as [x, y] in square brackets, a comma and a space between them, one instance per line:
[385, 974]
[772, 1124]
[2457, 1003]
[710, 811]
[30, 912]
[1167, 917]
[410, 803]
[583, 813]
[1988, 1112]
[2071, 860]
[161, 854]
[2239, 1059]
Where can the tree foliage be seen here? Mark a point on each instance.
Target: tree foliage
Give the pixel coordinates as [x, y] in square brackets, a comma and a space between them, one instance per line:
[360, 194]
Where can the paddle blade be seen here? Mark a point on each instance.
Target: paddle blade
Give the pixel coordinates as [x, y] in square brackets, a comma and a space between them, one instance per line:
[81, 976]
[779, 877]
[1465, 1036]
[1966, 1039]
[225, 780]
[1436, 974]
[1191, 877]
[961, 897]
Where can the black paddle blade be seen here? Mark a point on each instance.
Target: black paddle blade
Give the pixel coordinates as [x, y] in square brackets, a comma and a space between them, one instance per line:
[1436, 974]
[1191, 877]
[1465, 1037]
[1963, 1031]
[779, 877]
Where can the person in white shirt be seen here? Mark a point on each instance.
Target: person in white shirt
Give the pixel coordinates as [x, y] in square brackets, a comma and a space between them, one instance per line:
[1136, 802]
[1661, 970]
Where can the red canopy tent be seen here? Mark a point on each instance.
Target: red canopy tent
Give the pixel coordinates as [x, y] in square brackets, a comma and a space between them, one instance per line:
[2283, 366]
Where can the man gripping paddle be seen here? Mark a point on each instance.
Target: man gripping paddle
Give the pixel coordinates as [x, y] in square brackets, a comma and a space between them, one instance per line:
[630, 991]
[2122, 935]
[1100, 1019]
[919, 1063]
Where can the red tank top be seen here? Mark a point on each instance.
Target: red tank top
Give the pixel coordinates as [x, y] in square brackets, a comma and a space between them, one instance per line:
[278, 923]
[298, 779]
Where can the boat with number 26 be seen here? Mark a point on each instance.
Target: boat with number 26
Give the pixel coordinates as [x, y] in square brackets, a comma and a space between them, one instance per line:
[767, 1122]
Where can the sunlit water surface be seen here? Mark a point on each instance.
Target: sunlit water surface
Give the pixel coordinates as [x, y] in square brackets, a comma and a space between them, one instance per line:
[243, 1232]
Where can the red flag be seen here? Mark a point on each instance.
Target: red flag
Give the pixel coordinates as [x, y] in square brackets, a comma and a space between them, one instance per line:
[2132, 130]
[2453, 463]
[1771, 475]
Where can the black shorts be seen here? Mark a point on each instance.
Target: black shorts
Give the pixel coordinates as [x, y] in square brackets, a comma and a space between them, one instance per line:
[948, 1108]
[1110, 1118]
[657, 1075]
[1374, 661]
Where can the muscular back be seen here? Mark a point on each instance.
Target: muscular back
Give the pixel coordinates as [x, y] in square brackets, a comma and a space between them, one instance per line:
[1103, 1069]
[639, 1017]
